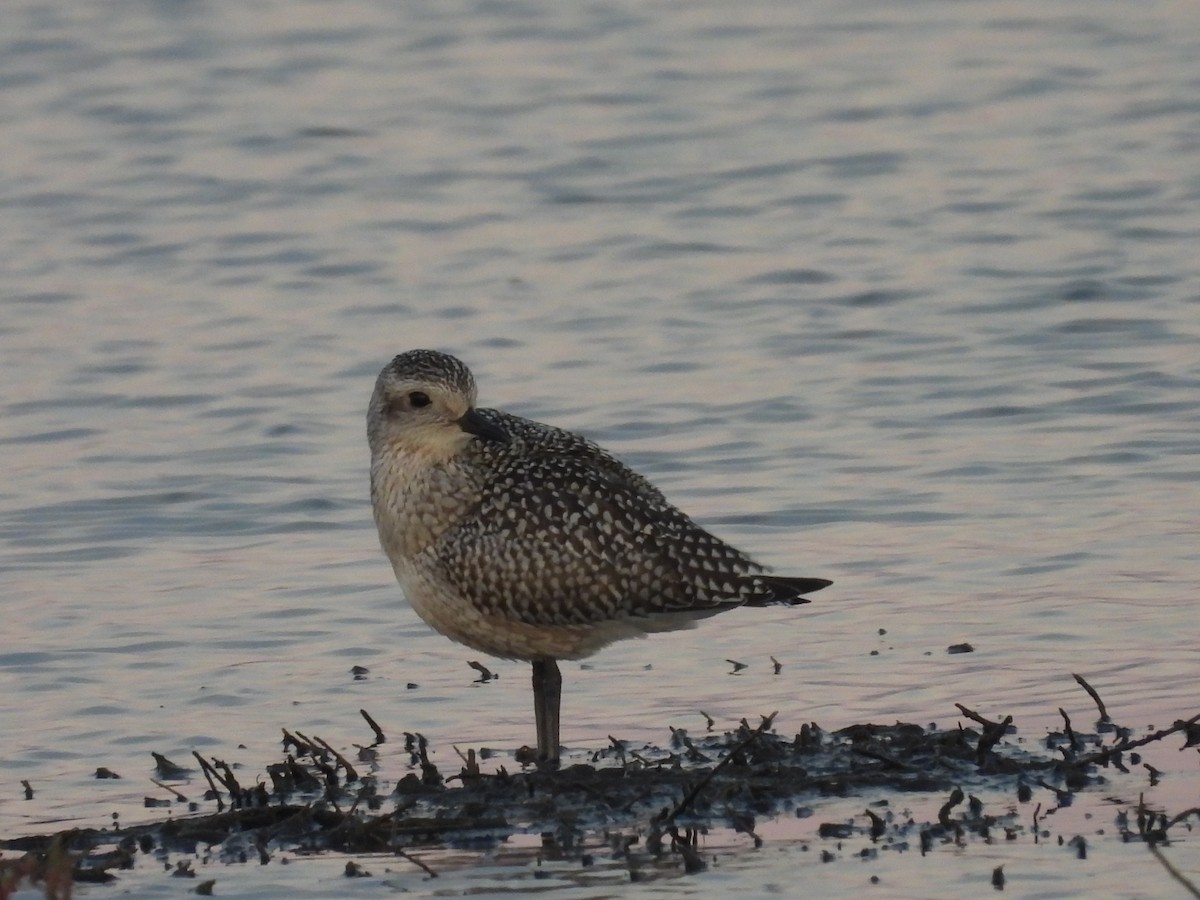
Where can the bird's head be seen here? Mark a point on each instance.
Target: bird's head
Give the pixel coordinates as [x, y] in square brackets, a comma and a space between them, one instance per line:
[424, 402]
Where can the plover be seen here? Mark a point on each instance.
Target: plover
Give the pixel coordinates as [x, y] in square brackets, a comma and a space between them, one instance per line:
[526, 541]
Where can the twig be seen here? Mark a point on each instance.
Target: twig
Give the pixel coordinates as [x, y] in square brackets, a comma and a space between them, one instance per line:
[956, 797]
[990, 739]
[1101, 756]
[485, 674]
[310, 747]
[351, 774]
[975, 717]
[1063, 798]
[1096, 697]
[303, 747]
[1074, 744]
[1175, 820]
[992, 732]
[220, 770]
[209, 772]
[878, 826]
[178, 796]
[226, 777]
[380, 738]
[1173, 872]
[416, 862]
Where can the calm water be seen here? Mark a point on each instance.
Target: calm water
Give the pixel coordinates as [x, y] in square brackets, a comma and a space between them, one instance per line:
[904, 296]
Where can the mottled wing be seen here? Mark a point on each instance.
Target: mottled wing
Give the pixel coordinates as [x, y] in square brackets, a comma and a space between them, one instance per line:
[566, 534]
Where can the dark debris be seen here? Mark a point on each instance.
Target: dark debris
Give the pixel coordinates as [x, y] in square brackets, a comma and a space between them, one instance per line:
[317, 802]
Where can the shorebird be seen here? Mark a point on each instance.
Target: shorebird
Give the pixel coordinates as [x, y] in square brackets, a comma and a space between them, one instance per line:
[526, 541]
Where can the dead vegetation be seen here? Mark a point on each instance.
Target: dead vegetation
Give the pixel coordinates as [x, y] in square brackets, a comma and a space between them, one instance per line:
[316, 799]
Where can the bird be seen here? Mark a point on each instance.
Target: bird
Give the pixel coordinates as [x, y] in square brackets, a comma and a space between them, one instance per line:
[529, 542]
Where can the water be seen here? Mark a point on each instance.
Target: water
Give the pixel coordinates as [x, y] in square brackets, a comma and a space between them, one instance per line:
[903, 296]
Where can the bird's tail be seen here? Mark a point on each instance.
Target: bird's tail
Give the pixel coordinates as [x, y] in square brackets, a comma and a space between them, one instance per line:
[782, 589]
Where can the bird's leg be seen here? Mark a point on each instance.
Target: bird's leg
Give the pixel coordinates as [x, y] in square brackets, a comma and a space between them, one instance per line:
[547, 697]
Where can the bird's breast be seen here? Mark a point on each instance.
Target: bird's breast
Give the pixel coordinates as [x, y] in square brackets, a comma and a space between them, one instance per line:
[416, 500]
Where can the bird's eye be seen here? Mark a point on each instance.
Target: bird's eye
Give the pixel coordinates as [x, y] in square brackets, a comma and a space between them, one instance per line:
[419, 399]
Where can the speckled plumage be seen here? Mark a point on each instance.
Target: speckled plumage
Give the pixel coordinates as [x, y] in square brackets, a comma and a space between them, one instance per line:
[526, 541]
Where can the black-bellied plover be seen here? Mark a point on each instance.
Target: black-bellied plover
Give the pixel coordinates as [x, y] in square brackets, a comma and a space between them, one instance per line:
[525, 541]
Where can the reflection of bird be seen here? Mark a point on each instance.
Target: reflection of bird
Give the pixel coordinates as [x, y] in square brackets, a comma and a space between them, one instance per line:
[529, 542]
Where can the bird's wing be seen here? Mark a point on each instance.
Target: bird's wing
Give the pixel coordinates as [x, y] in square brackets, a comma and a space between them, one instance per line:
[565, 542]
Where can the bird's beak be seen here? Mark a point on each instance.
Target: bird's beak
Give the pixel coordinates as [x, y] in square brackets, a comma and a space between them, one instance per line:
[473, 423]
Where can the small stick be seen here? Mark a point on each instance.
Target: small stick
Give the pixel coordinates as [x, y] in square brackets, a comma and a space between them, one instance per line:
[1173, 872]
[351, 775]
[992, 732]
[975, 717]
[380, 738]
[1075, 745]
[227, 778]
[485, 674]
[416, 862]
[1096, 697]
[212, 773]
[878, 827]
[1061, 796]
[309, 746]
[990, 739]
[470, 763]
[1101, 756]
[208, 773]
[168, 788]
[956, 797]
[1175, 820]
[303, 748]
